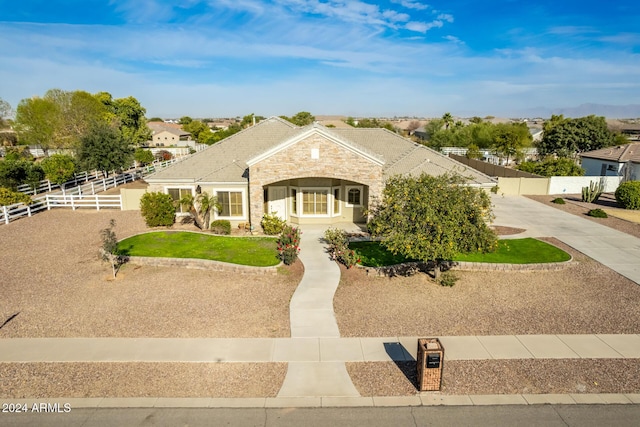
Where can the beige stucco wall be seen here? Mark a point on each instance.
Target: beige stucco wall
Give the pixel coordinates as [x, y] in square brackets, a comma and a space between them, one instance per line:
[517, 186]
[131, 198]
[295, 161]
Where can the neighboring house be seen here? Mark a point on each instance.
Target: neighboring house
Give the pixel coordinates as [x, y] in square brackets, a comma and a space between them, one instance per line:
[621, 160]
[168, 134]
[306, 175]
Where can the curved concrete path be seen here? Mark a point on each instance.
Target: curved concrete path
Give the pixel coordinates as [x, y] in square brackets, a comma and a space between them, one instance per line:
[312, 317]
[618, 251]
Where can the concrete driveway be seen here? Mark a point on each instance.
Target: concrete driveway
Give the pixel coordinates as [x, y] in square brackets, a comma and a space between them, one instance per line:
[616, 250]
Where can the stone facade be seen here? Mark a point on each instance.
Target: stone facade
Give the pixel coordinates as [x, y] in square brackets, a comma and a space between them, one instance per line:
[313, 156]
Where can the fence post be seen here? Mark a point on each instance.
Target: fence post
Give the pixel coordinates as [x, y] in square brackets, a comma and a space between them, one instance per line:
[97, 203]
[28, 211]
[6, 215]
[104, 184]
[46, 197]
[73, 206]
[49, 184]
[93, 189]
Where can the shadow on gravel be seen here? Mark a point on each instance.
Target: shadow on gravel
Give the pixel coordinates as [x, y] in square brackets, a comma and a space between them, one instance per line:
[9, 319]
[403, 360]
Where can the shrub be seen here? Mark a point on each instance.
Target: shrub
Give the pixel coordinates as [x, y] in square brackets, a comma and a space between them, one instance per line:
[272, 224]
[597, 213]
[448, 278]
[9, 197]
[157, 209]
[628, 195]
[495, 189]
[558, 201]
[339, 247]
[221, 226]
[289, 244]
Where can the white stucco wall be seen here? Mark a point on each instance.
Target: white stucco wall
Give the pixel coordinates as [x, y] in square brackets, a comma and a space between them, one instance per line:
[574, 184]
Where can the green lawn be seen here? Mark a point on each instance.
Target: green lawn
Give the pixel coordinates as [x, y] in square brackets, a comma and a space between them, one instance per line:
[254, 251]
[516, 251]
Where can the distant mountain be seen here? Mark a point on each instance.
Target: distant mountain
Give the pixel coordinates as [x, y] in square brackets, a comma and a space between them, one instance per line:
[608, 111]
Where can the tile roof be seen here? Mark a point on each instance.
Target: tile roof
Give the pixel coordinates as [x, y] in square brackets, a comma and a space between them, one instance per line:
[620, 153]
[227, 160]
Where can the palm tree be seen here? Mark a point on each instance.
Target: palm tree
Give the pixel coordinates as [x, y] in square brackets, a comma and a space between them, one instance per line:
[448, 120]
[200, 208]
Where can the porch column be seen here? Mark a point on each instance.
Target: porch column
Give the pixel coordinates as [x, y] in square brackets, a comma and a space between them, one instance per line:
[256, 203]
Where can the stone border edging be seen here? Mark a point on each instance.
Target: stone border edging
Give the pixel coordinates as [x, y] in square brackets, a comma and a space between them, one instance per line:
[202, 264]
[409, 267]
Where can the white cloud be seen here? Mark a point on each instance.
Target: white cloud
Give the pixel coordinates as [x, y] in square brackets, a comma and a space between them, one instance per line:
[411, 4]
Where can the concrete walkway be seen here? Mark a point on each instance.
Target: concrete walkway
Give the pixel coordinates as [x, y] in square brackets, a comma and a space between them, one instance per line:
[312, 317]
[618, 251]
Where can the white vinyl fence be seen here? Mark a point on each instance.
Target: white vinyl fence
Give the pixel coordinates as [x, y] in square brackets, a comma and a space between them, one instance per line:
[78, 193]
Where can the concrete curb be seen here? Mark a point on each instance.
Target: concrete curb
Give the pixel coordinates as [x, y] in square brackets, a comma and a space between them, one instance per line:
[422, 399]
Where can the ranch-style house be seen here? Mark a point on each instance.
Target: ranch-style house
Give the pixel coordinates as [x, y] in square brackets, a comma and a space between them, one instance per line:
[306, 175]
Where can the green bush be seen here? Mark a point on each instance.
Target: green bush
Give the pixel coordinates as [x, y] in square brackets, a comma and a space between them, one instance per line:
[289, 244]
[448, 278]
[9, 197]
[272, 224]
[597, 213]
[339, 247]
[157, 209]
[221, 226]
[628, 195]
[558, 201]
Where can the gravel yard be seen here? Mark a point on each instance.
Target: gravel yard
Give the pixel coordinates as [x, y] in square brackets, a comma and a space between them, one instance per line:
[54, 285]
[583, 298]
[41, 380]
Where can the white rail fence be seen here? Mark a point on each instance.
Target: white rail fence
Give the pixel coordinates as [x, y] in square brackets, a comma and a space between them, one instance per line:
[46, 186]
[79, 192]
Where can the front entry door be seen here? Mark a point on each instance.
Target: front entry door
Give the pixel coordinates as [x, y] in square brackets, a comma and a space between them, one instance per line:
[278, 201]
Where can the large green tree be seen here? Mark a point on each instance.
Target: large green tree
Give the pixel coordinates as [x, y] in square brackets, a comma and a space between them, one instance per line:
[303, 118]
[59, 168]
[570, 137]
[104, 148]
[129, 115]
[37, 120]
[432, 218]
[77, 110]
[509, 139]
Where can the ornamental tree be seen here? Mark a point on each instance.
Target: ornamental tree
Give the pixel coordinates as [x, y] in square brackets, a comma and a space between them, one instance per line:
[59, 168]
[432, 218]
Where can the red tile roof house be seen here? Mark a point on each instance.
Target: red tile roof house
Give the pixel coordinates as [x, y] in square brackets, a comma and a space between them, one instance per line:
[306, 175]
[621, 160]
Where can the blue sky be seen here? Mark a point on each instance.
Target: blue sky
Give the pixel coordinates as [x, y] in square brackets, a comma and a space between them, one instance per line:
[361, 58]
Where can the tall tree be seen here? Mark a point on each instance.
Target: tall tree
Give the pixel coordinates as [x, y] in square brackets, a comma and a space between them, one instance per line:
[509, 139]
[432, 218]
[447, 118]
[130, 117]
[104, 148]
[77, 110]
[36, 122]
[570, 137]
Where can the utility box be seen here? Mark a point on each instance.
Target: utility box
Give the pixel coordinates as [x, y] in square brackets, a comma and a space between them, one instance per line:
[429, 364]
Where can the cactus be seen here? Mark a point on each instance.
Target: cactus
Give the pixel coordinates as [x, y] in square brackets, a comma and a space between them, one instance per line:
[591, 193]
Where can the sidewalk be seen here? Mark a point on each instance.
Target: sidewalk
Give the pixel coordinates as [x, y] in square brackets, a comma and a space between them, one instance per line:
[307, 351]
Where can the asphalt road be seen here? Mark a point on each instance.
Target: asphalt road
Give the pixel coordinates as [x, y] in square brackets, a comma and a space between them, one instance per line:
[534, 415]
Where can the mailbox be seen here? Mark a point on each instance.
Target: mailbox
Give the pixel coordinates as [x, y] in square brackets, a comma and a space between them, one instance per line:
[429, 364]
